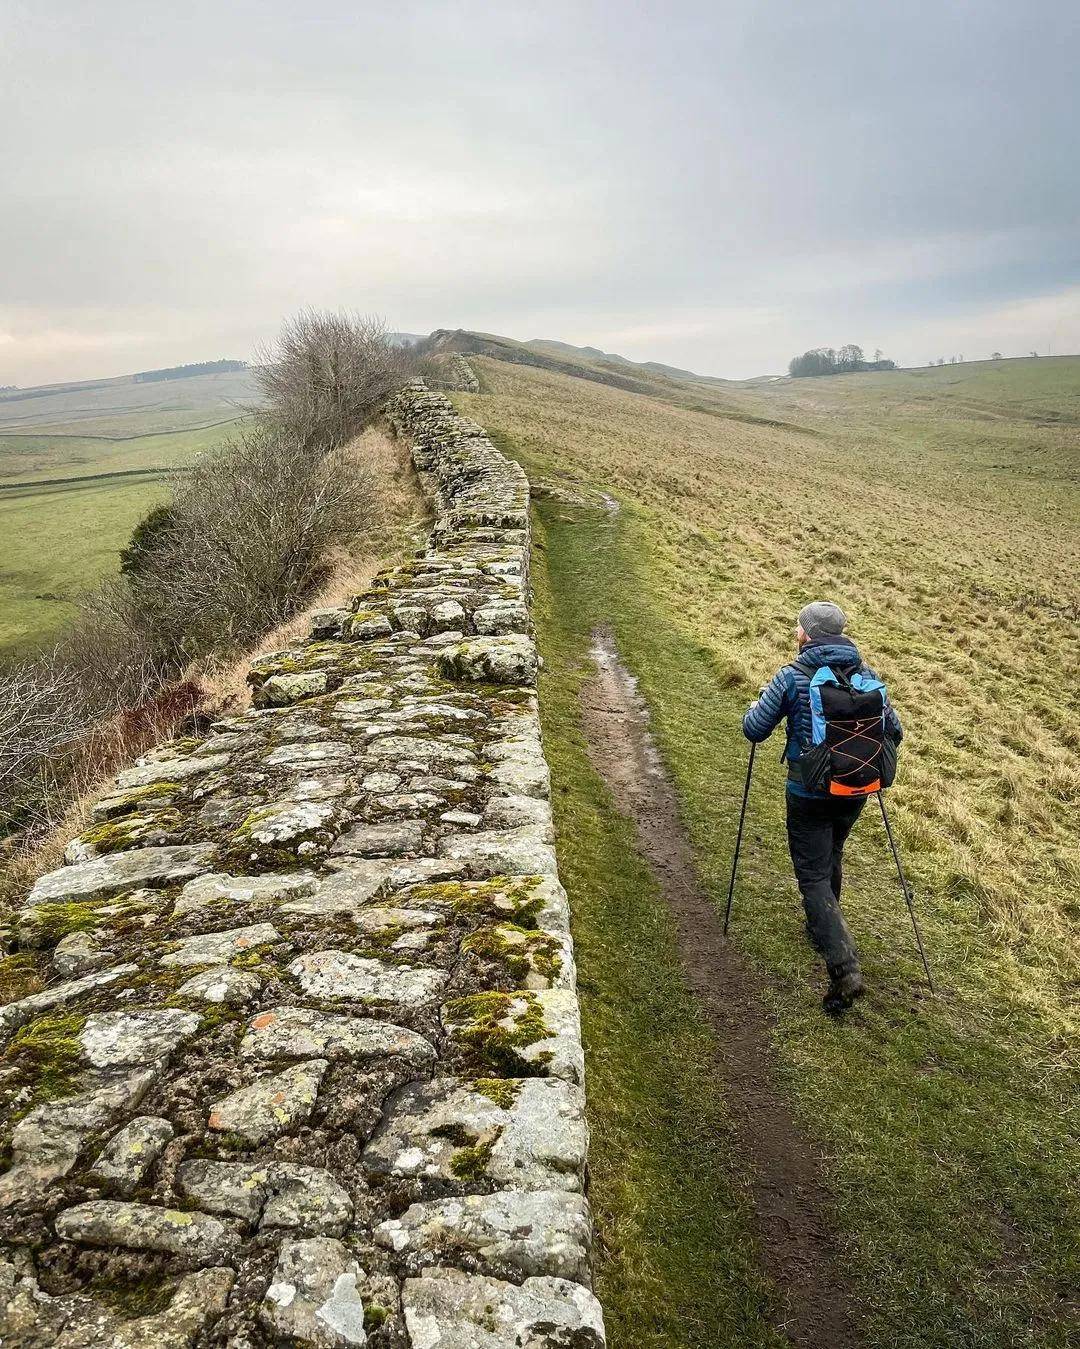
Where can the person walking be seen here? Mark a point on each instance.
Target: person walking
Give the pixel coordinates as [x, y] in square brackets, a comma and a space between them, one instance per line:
[840, 728]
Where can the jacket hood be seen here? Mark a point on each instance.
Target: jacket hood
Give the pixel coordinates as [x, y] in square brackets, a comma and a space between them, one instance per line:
[836, 651]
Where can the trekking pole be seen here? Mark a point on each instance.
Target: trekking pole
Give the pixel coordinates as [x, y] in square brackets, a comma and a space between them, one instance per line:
[907, 894]
[738, 836]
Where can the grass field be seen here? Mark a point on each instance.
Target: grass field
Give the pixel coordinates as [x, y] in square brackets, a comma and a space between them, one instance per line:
[78, 469]
[940, 509]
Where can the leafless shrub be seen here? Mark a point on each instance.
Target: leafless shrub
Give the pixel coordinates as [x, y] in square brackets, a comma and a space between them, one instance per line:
[114, 652]
[40, 717]
[328, 375]
[251, 532]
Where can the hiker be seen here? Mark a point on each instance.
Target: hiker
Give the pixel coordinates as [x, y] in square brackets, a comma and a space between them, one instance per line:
[842, 734]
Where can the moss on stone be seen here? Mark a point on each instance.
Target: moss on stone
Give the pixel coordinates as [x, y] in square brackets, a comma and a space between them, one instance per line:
[502, 1091]
[20, 975]
[44, 925]
[48, 1049]
[519, 902]
[521, 951]
[230, 1142]
[113, 835]
[163, 980]
[50, 923]
[250, 960]
[454, 1133]
[182, 746]
[479, 1029]
[133, 797]
[470, 1164]
[131, 1296]
[375, 1316]
[243, 852]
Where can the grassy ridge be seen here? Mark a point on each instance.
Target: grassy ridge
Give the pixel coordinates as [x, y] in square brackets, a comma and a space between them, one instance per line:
[946, 1126]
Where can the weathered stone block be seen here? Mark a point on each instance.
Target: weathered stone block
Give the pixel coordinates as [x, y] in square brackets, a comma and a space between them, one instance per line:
[527, 1134]
[502, 852]
[282, 689]
[306, 1199]
[491, 660]
[315, 1295]
[396, 838]
[121, 872]
[510, 1234]
[272, 1106]
[195, 1238]
[223, 985]
[340, 974]
[301, 1032]
[136, 1038]
[131, 1152]
[218, 887]
[215, 948]
[448, 1310]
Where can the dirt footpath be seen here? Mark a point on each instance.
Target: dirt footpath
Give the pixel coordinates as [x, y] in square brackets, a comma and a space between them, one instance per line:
[792, 1207]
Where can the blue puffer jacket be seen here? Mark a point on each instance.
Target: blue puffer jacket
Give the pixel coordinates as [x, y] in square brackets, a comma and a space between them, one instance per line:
[788, 695]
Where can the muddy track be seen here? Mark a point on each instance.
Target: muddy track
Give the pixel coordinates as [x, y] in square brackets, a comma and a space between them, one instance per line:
[791, 1205]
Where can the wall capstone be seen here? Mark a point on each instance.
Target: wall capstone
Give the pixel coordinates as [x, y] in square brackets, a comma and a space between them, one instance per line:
[307, 1063]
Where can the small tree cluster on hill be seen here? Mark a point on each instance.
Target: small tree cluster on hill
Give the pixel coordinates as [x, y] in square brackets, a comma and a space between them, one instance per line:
[829, 361]
[244, 542]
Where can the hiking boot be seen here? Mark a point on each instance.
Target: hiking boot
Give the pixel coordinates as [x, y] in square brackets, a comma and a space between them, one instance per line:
[843, 990]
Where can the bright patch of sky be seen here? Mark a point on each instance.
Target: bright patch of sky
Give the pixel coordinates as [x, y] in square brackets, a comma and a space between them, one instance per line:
[715, 185]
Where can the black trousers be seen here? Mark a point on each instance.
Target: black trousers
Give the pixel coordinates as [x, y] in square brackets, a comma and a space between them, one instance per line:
[817, 830]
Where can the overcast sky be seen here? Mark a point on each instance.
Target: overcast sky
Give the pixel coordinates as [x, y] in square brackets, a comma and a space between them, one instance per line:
[716, 185]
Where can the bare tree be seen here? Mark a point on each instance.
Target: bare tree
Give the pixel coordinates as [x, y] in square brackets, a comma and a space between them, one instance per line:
[40, 716]
[328, 375]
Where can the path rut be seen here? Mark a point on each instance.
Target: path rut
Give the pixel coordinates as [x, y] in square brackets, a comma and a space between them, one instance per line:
[791, 1205]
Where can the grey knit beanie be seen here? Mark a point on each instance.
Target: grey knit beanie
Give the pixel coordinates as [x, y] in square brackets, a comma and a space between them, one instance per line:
[822, 618]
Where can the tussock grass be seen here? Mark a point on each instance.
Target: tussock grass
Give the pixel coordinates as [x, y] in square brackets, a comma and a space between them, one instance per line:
[948, 1127]
[936, 562]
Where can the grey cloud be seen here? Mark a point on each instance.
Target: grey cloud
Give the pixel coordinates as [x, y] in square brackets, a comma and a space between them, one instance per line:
[714, 184]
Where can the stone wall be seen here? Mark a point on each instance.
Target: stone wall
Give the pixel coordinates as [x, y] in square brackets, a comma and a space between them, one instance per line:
[305, 1062]
[455, 372]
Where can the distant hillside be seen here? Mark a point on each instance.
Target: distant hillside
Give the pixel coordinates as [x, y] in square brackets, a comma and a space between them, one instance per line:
[594, 354]
[581, 362]
[188, 371]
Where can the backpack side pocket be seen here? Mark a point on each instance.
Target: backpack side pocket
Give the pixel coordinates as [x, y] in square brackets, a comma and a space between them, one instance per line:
[815, 764]
[887, 762]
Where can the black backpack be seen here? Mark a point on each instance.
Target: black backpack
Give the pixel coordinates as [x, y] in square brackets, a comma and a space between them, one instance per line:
[849, 753]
